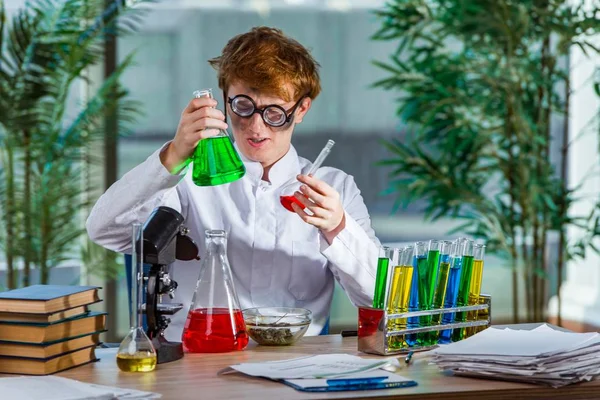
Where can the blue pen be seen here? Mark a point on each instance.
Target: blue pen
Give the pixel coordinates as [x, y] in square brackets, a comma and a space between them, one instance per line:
[355, 381]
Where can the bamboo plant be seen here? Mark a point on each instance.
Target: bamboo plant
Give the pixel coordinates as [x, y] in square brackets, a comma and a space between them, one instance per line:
[478, 83]
[45, 50]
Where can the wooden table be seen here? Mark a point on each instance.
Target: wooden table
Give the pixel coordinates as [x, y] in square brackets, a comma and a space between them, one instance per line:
[195, 377]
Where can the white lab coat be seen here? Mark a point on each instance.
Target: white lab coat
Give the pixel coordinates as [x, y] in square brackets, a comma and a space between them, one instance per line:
[276, 258]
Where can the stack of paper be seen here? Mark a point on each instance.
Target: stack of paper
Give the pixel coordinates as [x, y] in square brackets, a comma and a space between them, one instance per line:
[542, 355]
[56, 388]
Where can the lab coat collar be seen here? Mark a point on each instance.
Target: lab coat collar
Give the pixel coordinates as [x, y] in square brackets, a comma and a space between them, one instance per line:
[282, 171]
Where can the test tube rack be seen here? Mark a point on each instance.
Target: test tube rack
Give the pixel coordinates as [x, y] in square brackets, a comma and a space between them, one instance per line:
[374, 329]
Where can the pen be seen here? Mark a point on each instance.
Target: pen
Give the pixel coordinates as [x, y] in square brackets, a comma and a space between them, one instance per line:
[355, 381]
[349, 333]
[408, 357]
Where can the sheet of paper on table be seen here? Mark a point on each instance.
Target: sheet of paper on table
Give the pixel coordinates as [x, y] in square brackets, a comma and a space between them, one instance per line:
[327, 373]
[57, 388]
[542, 355]
[311, 367]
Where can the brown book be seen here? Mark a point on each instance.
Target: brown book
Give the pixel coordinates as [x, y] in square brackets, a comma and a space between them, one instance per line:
[42, 333]
[45, 299]
[50, 349]
[43, 318]
[32, 366]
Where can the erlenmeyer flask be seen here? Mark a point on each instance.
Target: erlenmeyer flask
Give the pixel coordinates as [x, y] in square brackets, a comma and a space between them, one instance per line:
[215, 322]
[215, 159]
[286, 196]
[136, 352]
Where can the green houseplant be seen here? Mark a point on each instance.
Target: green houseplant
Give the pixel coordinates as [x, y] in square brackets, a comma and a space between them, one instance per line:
[46, 49]
[479, 82]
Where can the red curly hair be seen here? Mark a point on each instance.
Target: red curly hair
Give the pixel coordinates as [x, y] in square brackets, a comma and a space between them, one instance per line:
[265, 59]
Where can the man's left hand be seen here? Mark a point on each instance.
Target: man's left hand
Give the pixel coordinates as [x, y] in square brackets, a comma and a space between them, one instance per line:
[324, 204]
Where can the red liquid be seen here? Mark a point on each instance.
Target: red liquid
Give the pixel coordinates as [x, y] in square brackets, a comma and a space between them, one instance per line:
[287, 201]
[214, 330]
[368, 321]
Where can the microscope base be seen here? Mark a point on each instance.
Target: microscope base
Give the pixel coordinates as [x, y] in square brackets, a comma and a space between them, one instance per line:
[167, 351]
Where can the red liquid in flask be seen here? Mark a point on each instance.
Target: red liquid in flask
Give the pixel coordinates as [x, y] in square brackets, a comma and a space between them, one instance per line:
[210, 330]
[287, 201]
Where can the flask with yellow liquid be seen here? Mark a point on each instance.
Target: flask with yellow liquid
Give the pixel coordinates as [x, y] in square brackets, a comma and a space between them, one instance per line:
[136, 352]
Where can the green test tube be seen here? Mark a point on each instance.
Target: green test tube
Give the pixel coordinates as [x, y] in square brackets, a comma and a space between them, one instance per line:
[383, 263]
[464, 287]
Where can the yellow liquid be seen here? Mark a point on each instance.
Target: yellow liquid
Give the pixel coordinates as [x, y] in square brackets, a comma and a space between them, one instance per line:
[474, 292]
[439, 297]
[482, 315]
[398, 302]
[138, 362]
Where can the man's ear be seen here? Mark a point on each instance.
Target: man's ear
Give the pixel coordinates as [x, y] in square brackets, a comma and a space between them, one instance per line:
[302, 109]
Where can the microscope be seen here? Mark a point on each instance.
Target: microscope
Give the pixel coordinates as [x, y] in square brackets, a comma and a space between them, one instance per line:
[165, 240]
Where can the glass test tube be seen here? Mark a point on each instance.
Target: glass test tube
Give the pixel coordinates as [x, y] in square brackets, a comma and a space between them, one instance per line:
[452, 288]
[419, 268]
[381, 278]
[401, 283]
[427, 288]
[475, 287]
[464, 288]
[441, 283]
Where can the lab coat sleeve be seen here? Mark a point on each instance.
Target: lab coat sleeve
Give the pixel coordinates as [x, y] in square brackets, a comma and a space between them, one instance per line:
[131, 199]
[353, 253]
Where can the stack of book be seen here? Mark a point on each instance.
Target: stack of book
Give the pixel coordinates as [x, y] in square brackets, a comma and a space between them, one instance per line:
[48, 328]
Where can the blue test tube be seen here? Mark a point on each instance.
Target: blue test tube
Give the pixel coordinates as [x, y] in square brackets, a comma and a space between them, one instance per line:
[419, 257]
[452, 289]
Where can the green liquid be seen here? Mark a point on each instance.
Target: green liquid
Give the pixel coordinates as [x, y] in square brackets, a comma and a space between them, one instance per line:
[463, 296]
[382, 270]
[216, 162]
[440, 294]
[427, 273]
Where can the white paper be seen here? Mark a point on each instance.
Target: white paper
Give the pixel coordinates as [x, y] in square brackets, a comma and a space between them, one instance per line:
[508, 342]
[542, 355]
[319, 366]
[57, 388]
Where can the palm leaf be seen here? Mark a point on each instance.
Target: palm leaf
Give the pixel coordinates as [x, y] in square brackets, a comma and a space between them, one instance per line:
[43, 51]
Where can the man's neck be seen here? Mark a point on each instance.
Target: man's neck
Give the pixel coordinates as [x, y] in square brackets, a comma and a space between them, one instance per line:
[267, 167]
[266, 170]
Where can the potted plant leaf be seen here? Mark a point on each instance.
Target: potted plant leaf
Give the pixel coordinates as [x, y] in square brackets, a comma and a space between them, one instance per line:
[47, 49]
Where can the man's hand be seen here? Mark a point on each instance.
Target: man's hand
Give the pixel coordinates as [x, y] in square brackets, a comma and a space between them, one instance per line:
[196, 120]
[323, 202]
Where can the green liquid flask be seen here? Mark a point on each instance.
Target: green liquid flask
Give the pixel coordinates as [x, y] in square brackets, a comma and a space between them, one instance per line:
[215, 159]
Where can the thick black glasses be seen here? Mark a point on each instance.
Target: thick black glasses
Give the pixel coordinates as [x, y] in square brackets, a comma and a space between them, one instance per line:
[273, 115]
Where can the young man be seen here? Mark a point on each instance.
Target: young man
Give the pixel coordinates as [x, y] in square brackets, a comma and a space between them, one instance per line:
[278, 258]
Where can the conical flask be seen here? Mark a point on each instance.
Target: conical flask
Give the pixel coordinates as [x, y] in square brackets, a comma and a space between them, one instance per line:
[215, 159]
[286, 195]
[136, 352]
[215, 322]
